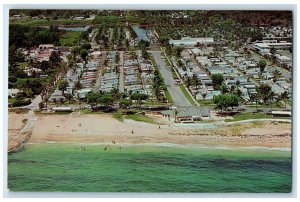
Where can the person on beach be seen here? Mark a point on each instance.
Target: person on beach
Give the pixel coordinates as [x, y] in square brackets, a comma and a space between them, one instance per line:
[132, 132]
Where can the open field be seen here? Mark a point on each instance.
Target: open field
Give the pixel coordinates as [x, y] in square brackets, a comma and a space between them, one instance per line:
[70, 38]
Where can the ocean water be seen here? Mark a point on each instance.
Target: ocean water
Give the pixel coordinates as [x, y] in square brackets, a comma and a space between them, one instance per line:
[144, 168]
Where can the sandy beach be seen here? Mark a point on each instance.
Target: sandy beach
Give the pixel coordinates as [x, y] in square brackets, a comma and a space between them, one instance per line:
[16, 123]
[89, 128]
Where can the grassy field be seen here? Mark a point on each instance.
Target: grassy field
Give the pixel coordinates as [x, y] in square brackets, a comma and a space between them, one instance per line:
[137, 116]
[186, 94]
[69, 38]
[206, 102]
[140, 117]
[11, 100]
[118, 115]
[45, 22]
[168, 96]
[248, 115]
[22, 65]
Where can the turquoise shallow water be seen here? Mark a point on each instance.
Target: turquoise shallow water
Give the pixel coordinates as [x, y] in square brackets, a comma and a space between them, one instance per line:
[92, 168]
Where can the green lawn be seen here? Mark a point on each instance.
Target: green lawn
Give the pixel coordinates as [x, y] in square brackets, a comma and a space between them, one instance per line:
[11, 100]
[206, 102]
[140, 117]
[69, 38]
[168, 96]
[248, 115]
[137, 116]
[186, 94]
[152, 60]
[45, 22]
[22, 65]
[118, 115]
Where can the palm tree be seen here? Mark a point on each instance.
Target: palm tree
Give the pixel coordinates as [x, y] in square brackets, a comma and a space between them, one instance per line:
[156, 90]
[255, 98]
[284, 96]
[232, 88]
[276, 74]
[237, 83]
[188, 82]
[195, 81]
[204, 94]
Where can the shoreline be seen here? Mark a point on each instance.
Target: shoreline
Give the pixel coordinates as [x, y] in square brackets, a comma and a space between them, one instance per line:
[171, 145]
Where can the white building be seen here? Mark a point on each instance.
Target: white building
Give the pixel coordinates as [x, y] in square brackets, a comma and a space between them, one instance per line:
[188, 41]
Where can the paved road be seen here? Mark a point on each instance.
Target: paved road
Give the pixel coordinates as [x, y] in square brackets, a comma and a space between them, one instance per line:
[175, 91]
[94, 34]
[34, 103]
[121, 80]
[100, 68]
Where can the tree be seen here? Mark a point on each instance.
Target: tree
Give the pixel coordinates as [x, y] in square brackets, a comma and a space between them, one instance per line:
[217, 80]
[86, 46]
[262, 64]
[237, 83]
[145, 54]
[224, 89]
[62, 85]
[232, 89]
[127, 44]
[84, 53]
[105, 99]
[264, 92]
[139, 97]
[188, 82]
[115, 94]
[224, 101]
[284, 96]
[143, 44]
[204, 94]
[125, 103]
[178, 51]
[276, 75]
[69, 97]
[164, 40]
[92, 98]
[55, 58]
[254, 98]
[75, 51]
[157, 85]
[195, 81]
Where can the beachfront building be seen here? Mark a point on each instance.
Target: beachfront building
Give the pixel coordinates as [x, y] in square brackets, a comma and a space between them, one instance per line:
[57, 96]
[187, 114]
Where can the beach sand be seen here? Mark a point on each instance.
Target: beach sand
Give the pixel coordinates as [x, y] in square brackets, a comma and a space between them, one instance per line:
[89, 128]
